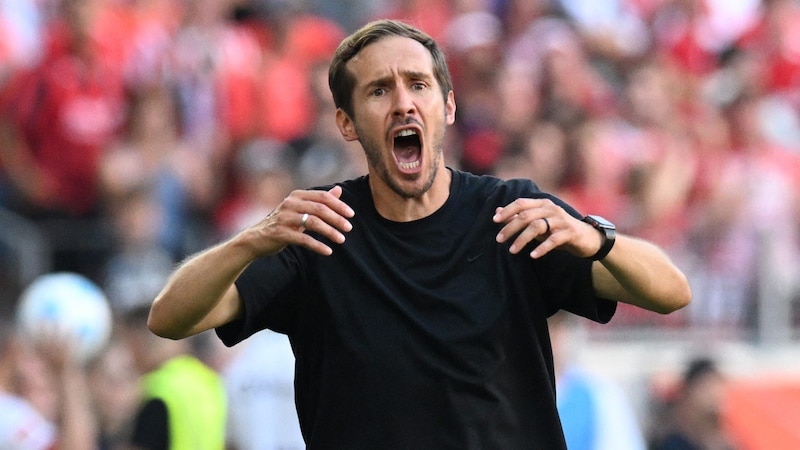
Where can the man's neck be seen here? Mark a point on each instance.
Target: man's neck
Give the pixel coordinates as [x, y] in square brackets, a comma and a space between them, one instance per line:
[394, 207]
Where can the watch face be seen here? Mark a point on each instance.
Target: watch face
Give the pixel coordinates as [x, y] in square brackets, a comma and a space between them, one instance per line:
[601, 222]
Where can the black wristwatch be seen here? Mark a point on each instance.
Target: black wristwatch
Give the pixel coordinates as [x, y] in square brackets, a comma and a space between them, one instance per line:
[609, 232]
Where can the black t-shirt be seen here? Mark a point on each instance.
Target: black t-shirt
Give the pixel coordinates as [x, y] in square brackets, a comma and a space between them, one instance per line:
[424, 334]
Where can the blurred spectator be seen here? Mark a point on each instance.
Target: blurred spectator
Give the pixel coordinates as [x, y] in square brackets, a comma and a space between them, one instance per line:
[209, 54]
[60, 115]
[196, 59]
[573, 88]
[137, 264]
[260, 383]
[321, 156]
[544, 159]
[156, 194]
[595, 412]
[183, 404]
[614, 28]
[692, 418]
[269, 94]
[749, 218]
[245, 45]
[263, 177]
[267, 87]
[773, 40]
[115, 393]
[662, 159]
[519, 93]
[45, 400]
[55, 122]
[600, 165]
[154, 157]
[150, 28]
[693, 33]
[22, 426]
[473, 42]
[517, 15]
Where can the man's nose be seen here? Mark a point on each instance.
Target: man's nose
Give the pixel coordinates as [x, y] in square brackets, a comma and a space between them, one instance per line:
[403, 102]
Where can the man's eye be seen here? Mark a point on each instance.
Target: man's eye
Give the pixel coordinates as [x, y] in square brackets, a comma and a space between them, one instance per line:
[378, 92]
[418, 86]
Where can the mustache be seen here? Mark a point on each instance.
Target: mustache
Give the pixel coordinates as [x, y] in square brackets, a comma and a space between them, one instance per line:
[403, 122]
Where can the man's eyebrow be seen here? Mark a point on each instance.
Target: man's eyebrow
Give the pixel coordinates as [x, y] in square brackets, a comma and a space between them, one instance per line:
[382, 81]
[415, 75]
[407, 74]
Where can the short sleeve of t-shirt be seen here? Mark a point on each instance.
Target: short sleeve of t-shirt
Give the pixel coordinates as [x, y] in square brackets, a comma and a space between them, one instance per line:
[563, 280]
[268, 288]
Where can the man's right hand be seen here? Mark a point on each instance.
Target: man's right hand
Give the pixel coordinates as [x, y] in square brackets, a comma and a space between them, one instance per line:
[320, 211]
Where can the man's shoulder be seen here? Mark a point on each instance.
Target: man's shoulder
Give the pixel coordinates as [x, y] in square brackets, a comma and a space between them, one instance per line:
[490, 184]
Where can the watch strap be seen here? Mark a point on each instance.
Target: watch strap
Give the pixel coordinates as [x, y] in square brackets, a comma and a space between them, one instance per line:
[609, 235]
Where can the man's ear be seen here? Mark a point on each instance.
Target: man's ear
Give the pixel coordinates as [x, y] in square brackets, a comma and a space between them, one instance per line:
[450, 109]
[346, 125]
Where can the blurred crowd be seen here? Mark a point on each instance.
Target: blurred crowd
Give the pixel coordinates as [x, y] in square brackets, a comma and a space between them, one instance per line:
[136, 132]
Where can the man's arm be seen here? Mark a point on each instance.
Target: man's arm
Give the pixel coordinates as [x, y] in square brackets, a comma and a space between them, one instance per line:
[635, 271]
[639, 273]
[201, 294]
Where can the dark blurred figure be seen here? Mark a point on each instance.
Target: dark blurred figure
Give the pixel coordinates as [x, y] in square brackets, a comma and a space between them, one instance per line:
[692, 420]
[115, 392]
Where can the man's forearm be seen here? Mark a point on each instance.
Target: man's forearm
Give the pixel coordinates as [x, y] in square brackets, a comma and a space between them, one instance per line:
[200, 294]
[639, 273]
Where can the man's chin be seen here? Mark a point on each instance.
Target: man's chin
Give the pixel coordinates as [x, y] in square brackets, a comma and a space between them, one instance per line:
[410, 186]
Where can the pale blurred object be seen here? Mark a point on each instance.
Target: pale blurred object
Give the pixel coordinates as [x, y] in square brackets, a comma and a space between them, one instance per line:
[70, 305]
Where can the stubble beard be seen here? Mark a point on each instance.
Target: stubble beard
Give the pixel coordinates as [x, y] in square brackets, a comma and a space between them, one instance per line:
[378, 162]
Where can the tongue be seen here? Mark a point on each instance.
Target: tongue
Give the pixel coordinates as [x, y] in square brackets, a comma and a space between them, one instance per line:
[406, 152]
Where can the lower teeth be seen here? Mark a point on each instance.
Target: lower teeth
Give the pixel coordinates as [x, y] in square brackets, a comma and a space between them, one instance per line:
[411, 165]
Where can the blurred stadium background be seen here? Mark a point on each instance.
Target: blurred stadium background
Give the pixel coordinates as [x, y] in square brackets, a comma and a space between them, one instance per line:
[136, 132]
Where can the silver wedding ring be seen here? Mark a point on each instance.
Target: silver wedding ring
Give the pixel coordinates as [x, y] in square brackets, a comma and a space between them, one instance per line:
[303, 220]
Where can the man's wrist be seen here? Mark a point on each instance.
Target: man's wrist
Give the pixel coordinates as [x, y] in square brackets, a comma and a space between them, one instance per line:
[608, 231]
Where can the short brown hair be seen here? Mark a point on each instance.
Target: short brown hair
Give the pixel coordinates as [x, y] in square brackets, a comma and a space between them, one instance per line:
[342, 82]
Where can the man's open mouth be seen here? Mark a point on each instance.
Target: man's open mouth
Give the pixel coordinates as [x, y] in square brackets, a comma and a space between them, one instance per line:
[407, 149]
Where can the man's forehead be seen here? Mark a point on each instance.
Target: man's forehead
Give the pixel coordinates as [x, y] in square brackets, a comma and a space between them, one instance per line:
[389, 55]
